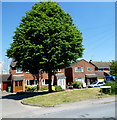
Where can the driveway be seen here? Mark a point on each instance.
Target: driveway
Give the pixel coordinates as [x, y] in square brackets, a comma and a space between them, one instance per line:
[12, 108]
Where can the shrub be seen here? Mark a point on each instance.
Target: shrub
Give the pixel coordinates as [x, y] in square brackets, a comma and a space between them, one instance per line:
[44, 88]
[53, 88]
[30, 88]
[76, 84]
[58, 88]
[113, 88]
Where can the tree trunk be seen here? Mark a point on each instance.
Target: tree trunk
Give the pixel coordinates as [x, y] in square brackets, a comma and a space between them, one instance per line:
[37, 76]
[49, 81]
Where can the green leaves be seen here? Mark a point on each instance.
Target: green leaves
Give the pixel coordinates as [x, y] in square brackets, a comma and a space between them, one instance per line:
[46, 37]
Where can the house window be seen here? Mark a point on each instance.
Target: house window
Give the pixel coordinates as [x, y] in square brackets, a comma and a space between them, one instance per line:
[16, 83]
[100, 69]
[58, 70]
[45, 82]
[79, 69]
[80, 80]
[89, 69]
[28, 82]
[32, 82]
[19, 70]
[20, 83]
[106, 69]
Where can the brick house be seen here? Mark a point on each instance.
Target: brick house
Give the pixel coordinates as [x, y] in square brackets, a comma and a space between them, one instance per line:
[6, 81]
[81, 71]
[20, 78]
[102, 69]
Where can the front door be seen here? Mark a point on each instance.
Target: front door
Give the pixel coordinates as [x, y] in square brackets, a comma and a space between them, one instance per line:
[61, 82]
[18, 86]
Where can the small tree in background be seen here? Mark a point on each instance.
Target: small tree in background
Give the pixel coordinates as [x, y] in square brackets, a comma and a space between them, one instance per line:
[46, 39]
[113, 68]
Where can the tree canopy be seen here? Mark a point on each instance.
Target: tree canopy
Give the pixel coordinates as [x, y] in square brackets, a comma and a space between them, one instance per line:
[46, 39]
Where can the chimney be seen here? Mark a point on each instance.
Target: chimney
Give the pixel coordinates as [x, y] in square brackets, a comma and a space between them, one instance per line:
[90, 61]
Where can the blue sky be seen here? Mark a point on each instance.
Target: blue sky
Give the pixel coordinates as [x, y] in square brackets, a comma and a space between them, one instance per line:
[96, 21]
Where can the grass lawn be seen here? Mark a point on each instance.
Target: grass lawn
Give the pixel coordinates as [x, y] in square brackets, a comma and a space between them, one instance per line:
[65, 96]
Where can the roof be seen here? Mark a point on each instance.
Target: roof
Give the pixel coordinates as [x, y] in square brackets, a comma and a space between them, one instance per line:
[96, 75]
[60, 75]
[91, 76]
[99, 74]
[77, 62]
[5, 77]
[18, 77]
[101, 64]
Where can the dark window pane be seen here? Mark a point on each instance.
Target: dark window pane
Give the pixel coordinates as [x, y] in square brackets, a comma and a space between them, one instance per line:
[31, 82]
[20, 83]
[16, 83]
[46, 81]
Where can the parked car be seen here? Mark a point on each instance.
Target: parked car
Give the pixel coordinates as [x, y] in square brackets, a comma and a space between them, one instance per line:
[96, 84]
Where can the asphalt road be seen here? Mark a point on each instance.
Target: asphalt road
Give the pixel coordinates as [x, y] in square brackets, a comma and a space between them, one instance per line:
[93, 111]
[95, 108]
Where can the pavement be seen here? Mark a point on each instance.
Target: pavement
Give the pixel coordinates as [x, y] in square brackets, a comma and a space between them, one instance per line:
[12, 107]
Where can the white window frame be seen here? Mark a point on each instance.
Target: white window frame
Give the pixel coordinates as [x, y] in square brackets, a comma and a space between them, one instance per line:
[18, 71]
[43, 82]
[28, 81]
[81, 68]
[80, 80]
[58, 70]
[90, 69]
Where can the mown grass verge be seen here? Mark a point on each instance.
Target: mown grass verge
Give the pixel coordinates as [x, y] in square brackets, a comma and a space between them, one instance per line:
[65, 97]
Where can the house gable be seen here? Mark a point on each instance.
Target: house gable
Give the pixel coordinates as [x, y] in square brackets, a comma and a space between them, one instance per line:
[83, 64]
[78, 71]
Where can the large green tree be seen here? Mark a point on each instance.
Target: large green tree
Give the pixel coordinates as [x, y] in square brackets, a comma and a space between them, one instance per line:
[46, 39]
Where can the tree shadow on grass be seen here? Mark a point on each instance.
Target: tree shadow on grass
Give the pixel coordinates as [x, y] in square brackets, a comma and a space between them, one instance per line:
[22, 95]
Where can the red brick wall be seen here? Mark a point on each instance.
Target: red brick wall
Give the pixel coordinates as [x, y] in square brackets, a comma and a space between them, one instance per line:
[85, 65]
[28, 76]
[71, 74]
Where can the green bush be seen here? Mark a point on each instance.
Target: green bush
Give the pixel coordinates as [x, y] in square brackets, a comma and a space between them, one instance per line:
[58, 88]
[43, 88]
[113, 88]
[30, 88]
[76, 84]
